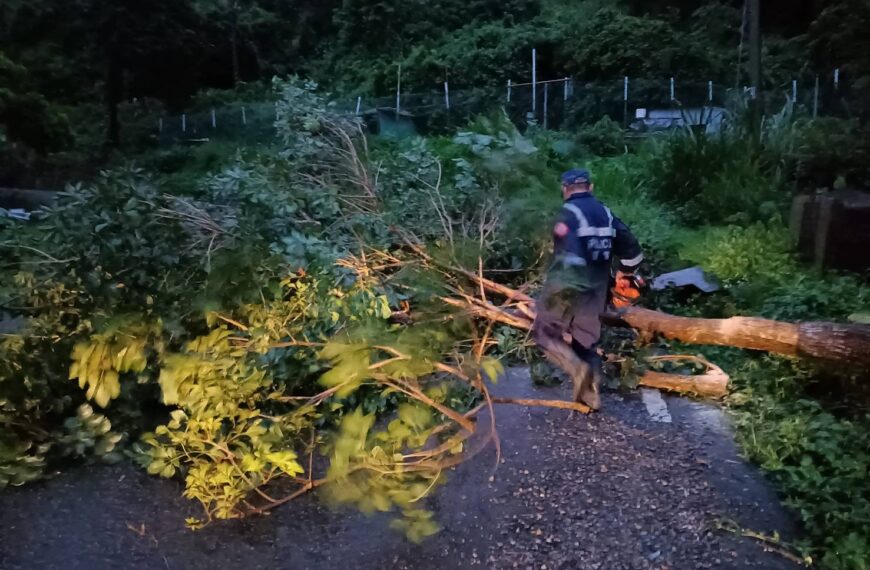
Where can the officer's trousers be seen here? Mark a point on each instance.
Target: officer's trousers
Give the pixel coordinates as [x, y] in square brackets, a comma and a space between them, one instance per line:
[567, 329]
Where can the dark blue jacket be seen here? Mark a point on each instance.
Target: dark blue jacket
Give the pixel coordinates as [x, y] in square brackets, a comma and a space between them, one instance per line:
[595, 237]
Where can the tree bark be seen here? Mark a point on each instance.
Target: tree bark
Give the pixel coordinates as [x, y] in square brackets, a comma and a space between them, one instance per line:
[114, 91]
[846, 344]
[712, 384]
[234, 47]
[706, 385]
[234, 42]
[742, 332]
[558, 404]
[828, 341]
[258, 60]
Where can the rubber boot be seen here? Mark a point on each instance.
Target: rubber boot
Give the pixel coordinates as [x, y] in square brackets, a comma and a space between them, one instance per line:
[563, 356]
[587, 386]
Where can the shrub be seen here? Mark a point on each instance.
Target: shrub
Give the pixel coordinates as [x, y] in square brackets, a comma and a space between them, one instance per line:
[738, 255]
[604, 138]
[761, 274]
[618, 182]
[819, 460]
[711, 179]
[828, 148]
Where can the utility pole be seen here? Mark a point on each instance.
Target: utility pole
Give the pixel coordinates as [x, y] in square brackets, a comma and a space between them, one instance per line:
[754, 9]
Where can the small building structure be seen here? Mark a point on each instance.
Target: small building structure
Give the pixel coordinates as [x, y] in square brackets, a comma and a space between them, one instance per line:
[386, 122]
[832, 229]
[707, 119]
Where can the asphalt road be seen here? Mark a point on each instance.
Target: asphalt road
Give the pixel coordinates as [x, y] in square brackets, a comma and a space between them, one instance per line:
[637, 486]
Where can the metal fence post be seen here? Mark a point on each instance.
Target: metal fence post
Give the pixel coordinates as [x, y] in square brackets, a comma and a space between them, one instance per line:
[837, 79]
[446, 96]
[710, 92]
[358, 103]
[673, 90]
[399, 92]
[625, 102]
[546, 99]
[816, 99]
[794, 90]
[565, 101]
[183, 123]
[509, 91]
[213, 119]
[244, 116]
[534, 80]
[160, 125]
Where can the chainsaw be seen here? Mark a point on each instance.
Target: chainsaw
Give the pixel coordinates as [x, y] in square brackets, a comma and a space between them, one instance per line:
[627, 289]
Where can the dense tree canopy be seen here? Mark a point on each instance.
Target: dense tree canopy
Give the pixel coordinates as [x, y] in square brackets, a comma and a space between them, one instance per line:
[839, 38]
[26, 115]
[102, 52]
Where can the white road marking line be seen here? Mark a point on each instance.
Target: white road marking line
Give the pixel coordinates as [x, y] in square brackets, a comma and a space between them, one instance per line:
[655, 405]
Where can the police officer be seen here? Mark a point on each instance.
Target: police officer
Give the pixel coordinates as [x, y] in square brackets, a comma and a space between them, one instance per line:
[587, 239]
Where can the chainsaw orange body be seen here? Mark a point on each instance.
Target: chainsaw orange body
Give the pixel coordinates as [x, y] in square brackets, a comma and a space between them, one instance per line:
[626, 290]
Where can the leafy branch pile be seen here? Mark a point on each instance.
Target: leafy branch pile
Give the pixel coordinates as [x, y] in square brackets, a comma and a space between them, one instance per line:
[248, 336]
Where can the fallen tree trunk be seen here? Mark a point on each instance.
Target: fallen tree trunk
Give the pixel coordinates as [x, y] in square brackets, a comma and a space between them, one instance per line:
[849, 344]
[714, 384]
[829, 341]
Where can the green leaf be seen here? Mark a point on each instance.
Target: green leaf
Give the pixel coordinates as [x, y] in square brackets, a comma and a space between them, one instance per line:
[492, 368]
[285, 461]
[384, 310]
[250, 463]
[156, 467]
[415, 416]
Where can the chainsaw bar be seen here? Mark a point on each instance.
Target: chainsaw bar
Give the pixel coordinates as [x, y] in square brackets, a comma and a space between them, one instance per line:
[691, 277]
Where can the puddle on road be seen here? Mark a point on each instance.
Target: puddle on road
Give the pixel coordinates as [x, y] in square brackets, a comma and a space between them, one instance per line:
[703, 415]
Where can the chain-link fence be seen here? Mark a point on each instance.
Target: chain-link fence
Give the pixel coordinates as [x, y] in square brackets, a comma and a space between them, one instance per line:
[245, 123]
[565, 103]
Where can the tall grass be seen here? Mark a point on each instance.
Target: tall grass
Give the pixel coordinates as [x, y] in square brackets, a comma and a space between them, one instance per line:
[714, 179]
[619, 182]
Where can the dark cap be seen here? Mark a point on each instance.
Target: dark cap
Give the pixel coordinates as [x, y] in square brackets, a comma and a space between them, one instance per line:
[576, 176]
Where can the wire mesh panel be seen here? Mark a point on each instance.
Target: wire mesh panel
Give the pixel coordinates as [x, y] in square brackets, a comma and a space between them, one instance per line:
[252, 123]
[562, 103]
